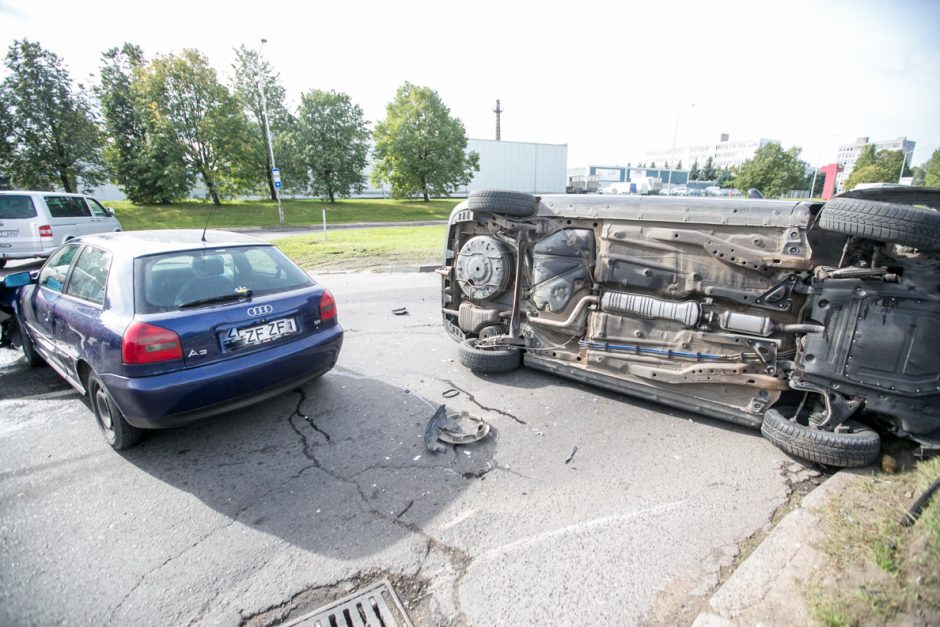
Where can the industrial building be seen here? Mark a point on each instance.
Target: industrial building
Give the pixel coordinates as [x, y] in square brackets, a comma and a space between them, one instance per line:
[724, 154]
[519, 166]
[849, 154]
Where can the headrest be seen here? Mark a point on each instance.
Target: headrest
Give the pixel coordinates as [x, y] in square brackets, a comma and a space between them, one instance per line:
[208, 265]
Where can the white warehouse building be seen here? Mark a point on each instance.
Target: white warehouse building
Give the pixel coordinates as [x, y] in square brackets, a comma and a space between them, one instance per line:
[519, 166]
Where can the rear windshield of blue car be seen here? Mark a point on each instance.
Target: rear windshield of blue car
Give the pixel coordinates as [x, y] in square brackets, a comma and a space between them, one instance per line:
[16, 207]
[180, 280]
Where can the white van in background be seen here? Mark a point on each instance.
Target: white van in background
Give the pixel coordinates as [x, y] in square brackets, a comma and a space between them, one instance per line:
[33, 224]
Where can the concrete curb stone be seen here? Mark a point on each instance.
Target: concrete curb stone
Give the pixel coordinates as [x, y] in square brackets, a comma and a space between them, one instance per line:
[765, 588]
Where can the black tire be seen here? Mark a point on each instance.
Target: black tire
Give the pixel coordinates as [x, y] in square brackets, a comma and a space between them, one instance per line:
[858, 447]
[503, 203]
[26, 344]
[117, 432]
[3, 263]
[883, 221]
[488, 360]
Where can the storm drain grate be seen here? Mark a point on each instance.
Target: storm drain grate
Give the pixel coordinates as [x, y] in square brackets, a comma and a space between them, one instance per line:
[376, 606]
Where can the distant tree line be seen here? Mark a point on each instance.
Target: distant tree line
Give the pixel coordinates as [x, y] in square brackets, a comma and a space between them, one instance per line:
[156, 127]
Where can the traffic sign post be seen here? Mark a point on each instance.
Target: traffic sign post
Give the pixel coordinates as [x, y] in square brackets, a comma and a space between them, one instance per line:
[276, 176]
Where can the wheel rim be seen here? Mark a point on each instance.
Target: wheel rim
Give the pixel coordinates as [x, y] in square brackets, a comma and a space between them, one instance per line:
[103, 411]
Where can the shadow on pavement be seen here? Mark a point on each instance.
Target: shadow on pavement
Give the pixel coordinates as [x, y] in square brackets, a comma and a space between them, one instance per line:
[339, 467]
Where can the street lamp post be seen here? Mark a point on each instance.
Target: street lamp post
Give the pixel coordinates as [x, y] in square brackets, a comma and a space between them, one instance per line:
[267, 132]
[672, 164]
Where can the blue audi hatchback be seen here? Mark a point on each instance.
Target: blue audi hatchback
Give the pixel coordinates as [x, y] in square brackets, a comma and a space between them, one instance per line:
[160, 328]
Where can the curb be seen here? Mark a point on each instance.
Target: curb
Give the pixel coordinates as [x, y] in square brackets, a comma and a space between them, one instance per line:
[765, 588]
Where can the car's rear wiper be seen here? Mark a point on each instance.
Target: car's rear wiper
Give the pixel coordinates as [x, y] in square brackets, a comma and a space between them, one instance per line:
[214, 300]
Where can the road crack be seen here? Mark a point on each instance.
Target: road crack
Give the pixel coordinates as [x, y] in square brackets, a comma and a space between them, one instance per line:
[473, 400]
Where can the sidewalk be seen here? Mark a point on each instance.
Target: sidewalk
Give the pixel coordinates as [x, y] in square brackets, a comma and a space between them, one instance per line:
[765, 588]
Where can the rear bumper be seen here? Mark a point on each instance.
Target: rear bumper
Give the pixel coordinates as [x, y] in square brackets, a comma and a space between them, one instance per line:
[180, 397]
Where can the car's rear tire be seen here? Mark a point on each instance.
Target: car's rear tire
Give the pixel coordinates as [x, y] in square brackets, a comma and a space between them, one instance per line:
[506, 203]
[488, 360]
[33, 358]
[917, 227]
[857, 447]
[117, 432]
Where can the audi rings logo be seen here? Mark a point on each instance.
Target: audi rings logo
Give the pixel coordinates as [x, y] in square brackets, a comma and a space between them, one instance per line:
[261, 310]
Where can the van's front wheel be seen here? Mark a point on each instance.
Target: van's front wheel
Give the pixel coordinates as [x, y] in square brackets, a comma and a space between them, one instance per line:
[857, 446]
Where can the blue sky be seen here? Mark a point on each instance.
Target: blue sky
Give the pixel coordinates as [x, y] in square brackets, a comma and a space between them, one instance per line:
[609, 79]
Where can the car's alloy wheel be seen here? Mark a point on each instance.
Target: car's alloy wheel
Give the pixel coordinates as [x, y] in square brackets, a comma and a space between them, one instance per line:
[117, 432]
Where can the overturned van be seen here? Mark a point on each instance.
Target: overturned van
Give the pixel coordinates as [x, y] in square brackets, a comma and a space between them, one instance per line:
[817, 323]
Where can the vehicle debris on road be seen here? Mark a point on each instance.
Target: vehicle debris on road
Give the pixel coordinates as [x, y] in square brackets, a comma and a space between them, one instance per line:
[459, 428]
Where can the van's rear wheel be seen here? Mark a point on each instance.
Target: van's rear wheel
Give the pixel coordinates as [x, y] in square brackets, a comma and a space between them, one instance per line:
[505, 203]
[858, 446]
[488, 360]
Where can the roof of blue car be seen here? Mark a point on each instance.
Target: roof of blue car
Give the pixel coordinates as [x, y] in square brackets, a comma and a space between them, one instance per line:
[142, 243]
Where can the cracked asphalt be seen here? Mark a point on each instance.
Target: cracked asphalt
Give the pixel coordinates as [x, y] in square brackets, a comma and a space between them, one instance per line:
[580, 507]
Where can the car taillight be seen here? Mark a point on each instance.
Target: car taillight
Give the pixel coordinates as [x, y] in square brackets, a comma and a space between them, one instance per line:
[45, 230]
[327, 306]
[147, 344]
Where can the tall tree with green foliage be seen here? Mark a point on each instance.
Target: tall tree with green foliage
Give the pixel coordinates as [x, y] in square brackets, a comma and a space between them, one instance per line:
[694, 172]
[252, 73]
[188, 102]
[932, 170]
[724, 177]
[147, 164]
[333, 141]
[709, 171]
[772, 170]
[420, 148]
[881, 166]
[50, 134]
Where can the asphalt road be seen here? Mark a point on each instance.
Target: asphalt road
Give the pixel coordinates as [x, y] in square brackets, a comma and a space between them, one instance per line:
[580, 507]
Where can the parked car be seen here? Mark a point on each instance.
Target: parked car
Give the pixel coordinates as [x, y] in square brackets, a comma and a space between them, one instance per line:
[33, 224]
[160, 328]
[812, 322]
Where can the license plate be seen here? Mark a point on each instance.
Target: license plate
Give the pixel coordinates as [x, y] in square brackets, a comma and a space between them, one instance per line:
[260, 334]
[9, 233]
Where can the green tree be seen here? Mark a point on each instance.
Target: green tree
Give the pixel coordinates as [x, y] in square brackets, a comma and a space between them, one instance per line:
[420, 148]
[772, 170]
[883, 166]
[333, 141]
[694, 172]
[679, 164]
[189, 103]
[724, 177]
[932, 170]
[709, 172]
[652, 164]
[50, 134]
[147, 164]
[252, 72]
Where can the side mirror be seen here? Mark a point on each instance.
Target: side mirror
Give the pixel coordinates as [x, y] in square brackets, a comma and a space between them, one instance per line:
[109, 211]
[17, 279]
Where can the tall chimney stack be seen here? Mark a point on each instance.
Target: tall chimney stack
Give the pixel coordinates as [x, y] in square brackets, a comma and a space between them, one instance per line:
[497, 110]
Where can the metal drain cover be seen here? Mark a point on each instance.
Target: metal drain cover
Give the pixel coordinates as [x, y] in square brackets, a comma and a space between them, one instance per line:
[376, 606]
